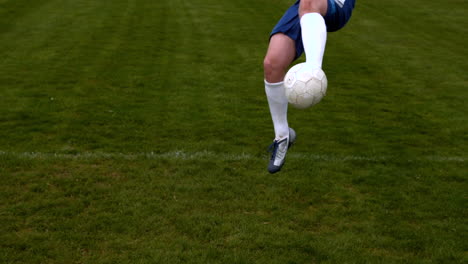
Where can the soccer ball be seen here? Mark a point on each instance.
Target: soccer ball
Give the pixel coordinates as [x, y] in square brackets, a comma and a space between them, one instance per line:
[305, 86]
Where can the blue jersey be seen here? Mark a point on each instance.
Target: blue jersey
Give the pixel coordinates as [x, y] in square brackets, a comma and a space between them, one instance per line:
[338, 14]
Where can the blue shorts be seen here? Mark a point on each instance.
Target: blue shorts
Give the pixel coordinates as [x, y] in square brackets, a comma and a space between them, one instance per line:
[337, 16]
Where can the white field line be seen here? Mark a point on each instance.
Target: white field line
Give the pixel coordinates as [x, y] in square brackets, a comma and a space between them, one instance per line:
[208, 155]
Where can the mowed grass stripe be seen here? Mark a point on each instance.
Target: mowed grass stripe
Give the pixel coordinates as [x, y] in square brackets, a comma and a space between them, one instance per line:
[210, 155]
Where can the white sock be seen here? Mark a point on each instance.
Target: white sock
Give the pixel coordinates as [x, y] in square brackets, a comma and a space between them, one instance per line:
[314, 38]
[278, 108]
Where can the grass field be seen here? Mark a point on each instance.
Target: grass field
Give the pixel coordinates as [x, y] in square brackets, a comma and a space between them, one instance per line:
[135, 131]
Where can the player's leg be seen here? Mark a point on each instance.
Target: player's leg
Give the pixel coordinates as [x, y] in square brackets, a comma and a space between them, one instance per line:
[281, 52]
[317, 17]
[313, 30]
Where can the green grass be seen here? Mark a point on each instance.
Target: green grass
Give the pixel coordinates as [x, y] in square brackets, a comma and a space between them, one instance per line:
[135, 132]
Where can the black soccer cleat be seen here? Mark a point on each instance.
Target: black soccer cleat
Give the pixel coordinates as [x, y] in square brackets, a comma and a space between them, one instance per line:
[278, 150]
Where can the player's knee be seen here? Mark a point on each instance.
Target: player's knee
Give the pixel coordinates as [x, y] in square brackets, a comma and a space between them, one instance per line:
[313, 6]
[268, 65]
[273, 69]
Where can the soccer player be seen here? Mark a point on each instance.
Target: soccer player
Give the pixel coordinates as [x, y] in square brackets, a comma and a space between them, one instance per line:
[303, 28]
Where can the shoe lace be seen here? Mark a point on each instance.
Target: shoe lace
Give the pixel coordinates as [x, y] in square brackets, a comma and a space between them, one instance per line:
[273, 148]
